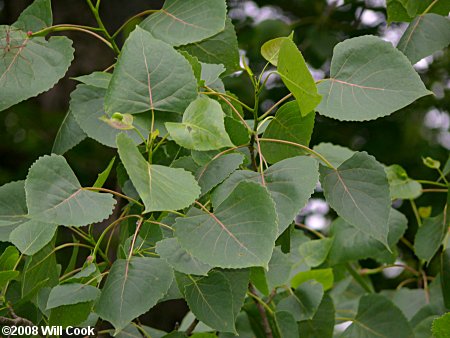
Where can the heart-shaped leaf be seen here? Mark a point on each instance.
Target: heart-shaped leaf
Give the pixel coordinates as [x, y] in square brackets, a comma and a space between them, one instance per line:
[150, 75]
[202, 127]
[361, 87]
[358, 191]
[30, 66]
[55, 196]
[132, 288]
[180, 22]
[239, 233]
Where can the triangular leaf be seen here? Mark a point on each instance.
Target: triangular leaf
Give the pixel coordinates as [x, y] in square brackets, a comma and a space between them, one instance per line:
[13, 208]
[132, 288]
[378, 317]
[358, 191]
[322, 323]
[240, 233]
[179, 23]
[55, 196]
[30, 66]
[160, 188]
[69, 294]
[288, 125]
[429, 237]
[362, 87]
[297, 78]
[68, 136]
[150, 75]
[32, 236]
[271, 49]
[425, 35]
[202, 127]
[290, 183]
[35, 17]
[401, 186]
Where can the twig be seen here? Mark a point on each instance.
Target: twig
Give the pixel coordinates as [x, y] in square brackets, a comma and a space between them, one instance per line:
[191, 327]
[262, 313]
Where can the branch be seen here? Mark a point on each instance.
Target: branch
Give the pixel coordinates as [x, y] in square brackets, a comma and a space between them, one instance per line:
[262, 313]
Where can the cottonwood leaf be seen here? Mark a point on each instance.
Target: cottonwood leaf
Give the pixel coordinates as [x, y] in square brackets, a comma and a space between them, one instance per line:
[160, 187]
[238, 279]
[9, 257]
[69, 294]
[279, 269]
[305, 301]
[334, 154]
[132, 288]
[409, 301]
[32, 236]
[202, 127]
[210, 300]
[35, 17]
[55, 196]
[441, 325]
[68, 136]
[271, 49]
[221, 48]
[288, 125]
[216, 171]
[13, 208]
[351, 243]
[369, 78]
[407, 10]
[180, 22]
[95, 79]
[286, 324]
[322, 323]
[358, 191]
[429, 237]
[86, 105]
[322, 276]
[297, 77]
[316, 251]
[239, 233]
[30, 66]
[425, 35]
[290, 183]
[400, 185]
[150, 75]
[378, 317]
[180, 259]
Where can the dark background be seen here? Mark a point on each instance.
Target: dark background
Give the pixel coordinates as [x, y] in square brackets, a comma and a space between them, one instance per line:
[27, 130]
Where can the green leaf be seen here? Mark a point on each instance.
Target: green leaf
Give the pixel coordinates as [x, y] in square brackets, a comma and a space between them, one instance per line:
[69, 294]
[271, 49]
[211, 300]
[334, 154]
[6, 276]
[423, 329]
[441, 326]
[202, 127]
[322, 276]
[180, 259]
[179, 23]
[32, 236]
[68, 136]
[297, 78]
[13, 208]
[9, 258]
[429, 237]
[240, 233]
[150, 75]
[358, 191]
[378, 317]
[132, 288]
[315, 252]
[70, 315]
[361, 85]
[401, 186]
[406, 10]
[322, 323]
[290, 183]
[279, 269]
[35, 17]
[425, 35]
[238, 280]
[288, 125]
[351, 243]
[286, 324]
[214, 172]
[305, 301]
[55, 196]
[95, 79]
[30, 66]
[210, 75]
[221, 48]
[410, 301]
[86, 105]
[160, 188]
[103, 176]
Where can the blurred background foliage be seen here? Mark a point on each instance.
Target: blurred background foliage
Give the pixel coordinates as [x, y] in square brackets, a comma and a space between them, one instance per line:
[27, 130]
